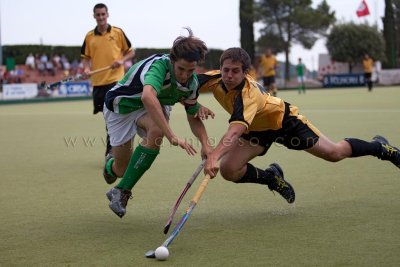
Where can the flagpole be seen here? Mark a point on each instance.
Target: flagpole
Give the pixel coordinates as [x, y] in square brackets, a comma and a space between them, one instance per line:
[376, 14]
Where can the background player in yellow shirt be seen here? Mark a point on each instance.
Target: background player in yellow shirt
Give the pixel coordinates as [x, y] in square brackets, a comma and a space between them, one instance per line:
[368, 65]
[267, 68]
[104, 46]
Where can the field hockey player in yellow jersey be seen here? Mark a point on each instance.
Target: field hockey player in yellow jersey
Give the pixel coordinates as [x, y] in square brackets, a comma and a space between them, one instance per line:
[368, 65]
[268, 65]
[104, 46]
[259, 119]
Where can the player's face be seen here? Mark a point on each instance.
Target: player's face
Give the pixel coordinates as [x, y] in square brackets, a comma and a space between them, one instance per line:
[184, 70]
[101, 15]
[232, 73]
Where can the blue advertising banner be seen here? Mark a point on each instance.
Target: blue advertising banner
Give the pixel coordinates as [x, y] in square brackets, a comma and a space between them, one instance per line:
[343, 80]
[75, 89]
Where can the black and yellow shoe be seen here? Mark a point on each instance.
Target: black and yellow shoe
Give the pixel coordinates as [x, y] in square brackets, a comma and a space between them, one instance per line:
[279, 184]
[388, 152]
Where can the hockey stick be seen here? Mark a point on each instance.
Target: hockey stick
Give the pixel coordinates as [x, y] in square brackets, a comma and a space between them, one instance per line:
[178, 202]
[178, 227]
[77, 77]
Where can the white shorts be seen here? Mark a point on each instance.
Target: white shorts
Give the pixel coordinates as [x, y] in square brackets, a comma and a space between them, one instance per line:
[123, 127]
[300, 79]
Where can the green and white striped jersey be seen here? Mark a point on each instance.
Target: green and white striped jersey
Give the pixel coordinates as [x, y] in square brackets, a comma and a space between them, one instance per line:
[157, 71]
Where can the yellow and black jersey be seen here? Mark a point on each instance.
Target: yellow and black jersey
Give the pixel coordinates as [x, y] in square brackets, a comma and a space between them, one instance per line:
[248, 104]
[268, 65]
[103, 50]
[368, 65]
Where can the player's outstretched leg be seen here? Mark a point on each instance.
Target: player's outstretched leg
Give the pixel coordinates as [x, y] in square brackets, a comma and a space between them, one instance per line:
[118, 200]
[388, 152]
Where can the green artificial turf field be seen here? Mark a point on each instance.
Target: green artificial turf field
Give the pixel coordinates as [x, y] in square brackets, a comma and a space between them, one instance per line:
[54, 211]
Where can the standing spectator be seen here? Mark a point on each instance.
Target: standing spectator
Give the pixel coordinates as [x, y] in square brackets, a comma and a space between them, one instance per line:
[368, 65]
[74, 66]
[2, 74]
[65, 65]
[300, 69]
[50, 68]
[103, 46]
[30, 61]
[56, 62]
[41, 67]
[44, 59]
[268, 65]
[64, 61]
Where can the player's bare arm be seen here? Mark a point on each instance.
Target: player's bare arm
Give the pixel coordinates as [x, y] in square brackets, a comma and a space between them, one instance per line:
[128, 56]
[153, 107]
[199, 130]
[86, 67]
[227, 142]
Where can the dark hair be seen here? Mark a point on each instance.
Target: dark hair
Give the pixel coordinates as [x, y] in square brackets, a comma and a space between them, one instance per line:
[99, 5]
[236, 54]
[189, 48]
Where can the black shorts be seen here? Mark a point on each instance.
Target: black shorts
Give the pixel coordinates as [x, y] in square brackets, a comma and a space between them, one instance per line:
[297, 133]
[99, 93]
[268, 80]
[367, 76]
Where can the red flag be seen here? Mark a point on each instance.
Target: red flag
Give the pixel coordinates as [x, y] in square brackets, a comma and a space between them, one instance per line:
[362, 9]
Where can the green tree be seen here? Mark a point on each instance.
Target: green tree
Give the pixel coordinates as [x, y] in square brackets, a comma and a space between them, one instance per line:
[390, 33]
[288, 22]
[349, 43]
[246, 16]
[396, 6]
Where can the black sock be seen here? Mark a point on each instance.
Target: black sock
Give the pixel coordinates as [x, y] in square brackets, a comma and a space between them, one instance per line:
[255, 175]
[369, 85]
[363, 148]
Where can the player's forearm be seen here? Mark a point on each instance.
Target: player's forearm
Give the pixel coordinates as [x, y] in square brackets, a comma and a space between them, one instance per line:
[154, 109]
[86, 64]
[228, 141]
[198, 129]
[129, 55]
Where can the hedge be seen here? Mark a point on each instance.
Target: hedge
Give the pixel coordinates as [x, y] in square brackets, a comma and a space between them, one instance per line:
[20, 52]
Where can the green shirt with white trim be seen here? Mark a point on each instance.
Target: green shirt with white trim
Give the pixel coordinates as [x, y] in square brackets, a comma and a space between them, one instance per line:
[157, 71]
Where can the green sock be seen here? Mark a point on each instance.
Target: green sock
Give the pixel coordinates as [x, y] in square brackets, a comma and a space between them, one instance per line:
[109, 167]
[140, 162]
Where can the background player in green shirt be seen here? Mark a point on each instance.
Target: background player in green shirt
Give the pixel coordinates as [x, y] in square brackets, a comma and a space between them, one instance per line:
[141, 103]
[300, 69]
